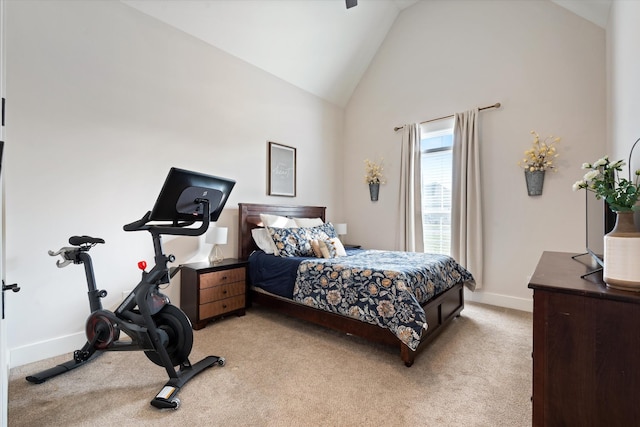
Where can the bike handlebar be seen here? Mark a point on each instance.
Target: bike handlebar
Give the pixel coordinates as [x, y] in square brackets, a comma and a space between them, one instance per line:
[67, 253]
[176, 229]
[137, 225]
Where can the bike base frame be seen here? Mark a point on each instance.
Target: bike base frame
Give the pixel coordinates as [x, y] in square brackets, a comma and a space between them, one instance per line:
[167, 397]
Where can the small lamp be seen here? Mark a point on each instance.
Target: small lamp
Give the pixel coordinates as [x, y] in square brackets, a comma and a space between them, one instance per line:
[341, 229]
[217, 236]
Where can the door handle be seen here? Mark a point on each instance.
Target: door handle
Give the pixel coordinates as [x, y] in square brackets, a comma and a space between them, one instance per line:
[14, 287]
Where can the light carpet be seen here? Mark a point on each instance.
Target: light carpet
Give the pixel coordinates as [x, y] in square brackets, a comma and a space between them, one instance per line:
[284, 372]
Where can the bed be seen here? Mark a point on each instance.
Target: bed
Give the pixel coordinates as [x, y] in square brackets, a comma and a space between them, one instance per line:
[439, 309]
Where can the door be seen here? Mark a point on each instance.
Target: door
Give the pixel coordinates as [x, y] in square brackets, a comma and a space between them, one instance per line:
[4, 363]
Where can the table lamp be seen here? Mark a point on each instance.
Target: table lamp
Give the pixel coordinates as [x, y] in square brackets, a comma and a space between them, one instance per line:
[341, 230]
[216, 236]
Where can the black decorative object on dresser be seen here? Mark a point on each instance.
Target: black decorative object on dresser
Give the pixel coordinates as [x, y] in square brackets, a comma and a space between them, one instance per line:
[209, 291]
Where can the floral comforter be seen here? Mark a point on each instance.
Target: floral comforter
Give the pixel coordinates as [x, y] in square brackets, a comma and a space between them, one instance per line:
[380, 287]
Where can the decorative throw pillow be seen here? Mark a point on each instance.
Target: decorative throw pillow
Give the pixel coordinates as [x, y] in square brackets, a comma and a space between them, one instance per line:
[297, 241]
[291, 241]
[322, 232]
[315, 247]
[328, 251]
[332, 248]
[339, 247]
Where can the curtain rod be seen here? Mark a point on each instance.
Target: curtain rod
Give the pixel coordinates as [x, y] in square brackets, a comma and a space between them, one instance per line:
[496, 105]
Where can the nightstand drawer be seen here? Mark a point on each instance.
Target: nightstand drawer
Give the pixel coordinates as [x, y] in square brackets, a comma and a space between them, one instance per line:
[222, 291]
[217, 308]
[222, 277]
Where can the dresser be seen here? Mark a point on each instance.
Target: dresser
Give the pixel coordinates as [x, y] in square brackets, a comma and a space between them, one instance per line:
[586, 347]
[209, 291]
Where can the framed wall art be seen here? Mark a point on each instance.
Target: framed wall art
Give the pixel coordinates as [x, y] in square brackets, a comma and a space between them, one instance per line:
[282, 170]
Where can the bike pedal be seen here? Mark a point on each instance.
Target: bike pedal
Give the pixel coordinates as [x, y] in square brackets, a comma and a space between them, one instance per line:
[166, 398]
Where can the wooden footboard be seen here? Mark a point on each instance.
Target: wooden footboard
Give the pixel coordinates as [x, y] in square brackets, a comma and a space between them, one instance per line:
[440, 310]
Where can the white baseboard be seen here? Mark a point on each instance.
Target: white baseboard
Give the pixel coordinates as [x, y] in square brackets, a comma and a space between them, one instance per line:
[45, 349]
[49, 348]
[479, 296]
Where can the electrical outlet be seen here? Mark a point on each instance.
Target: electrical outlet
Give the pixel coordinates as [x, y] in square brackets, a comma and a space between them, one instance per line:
[125, 294]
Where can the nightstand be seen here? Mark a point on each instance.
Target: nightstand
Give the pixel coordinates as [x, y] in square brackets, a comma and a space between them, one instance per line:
[209, 291]
[347, 246]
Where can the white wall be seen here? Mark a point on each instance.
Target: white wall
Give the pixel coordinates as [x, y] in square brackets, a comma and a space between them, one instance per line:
[102, 101]
[623, 65]
[547, 68]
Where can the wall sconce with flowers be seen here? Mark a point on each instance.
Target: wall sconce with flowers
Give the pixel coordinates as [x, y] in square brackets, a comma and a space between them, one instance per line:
[538, 159]
[374, 177]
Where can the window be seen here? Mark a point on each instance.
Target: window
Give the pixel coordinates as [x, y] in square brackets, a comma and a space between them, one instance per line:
[436, 144]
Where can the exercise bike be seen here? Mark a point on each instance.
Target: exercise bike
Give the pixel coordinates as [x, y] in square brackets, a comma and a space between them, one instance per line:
[146, 316]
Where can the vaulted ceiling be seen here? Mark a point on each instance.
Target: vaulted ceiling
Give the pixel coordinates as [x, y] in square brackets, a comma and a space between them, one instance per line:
[317, 45]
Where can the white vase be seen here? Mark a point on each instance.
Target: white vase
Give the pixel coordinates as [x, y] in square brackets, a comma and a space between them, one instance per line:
[621, 254]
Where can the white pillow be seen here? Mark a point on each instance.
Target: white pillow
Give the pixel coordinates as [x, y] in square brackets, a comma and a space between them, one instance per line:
[264, 241]
[277, 221]
[308, 222]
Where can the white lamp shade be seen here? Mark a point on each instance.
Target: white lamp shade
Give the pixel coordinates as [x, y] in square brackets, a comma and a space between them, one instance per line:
[217, 235]
[341, 229]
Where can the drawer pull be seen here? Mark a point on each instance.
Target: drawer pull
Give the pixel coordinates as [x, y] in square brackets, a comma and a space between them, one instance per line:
[224, 305]
[224, 292]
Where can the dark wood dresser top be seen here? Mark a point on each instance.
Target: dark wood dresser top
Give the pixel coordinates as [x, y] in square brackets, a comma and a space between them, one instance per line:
[558, 272]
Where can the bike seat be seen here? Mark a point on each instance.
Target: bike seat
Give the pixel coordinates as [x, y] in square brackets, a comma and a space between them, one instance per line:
[83, 240]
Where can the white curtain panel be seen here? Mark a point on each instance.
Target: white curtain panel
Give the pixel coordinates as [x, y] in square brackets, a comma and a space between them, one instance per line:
[410, 205]
[466, 195]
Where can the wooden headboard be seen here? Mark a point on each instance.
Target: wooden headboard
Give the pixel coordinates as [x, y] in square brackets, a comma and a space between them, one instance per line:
[249, 218]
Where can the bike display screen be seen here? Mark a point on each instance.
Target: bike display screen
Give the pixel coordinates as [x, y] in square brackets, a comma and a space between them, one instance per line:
[176, 201]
